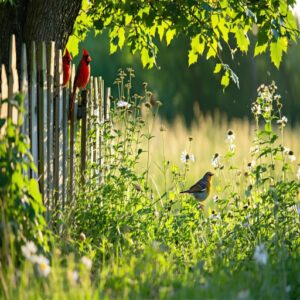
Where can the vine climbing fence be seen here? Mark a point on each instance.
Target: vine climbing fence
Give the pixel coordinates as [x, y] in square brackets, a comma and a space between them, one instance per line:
[52, 137]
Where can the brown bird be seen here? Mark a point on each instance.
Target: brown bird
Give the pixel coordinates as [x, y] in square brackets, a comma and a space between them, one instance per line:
[201, 189]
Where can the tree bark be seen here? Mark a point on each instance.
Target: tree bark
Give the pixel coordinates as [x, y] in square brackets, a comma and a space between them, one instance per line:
[36, 20]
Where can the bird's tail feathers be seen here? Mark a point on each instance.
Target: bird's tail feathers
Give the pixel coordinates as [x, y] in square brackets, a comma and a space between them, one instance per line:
[184, 192]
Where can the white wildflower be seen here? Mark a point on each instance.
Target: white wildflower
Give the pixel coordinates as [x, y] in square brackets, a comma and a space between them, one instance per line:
[215, 198]
[286, 150]
[232, 147]
[251, 165]
[261, 254]
[123, 104]
[283, 121]
[42, 265]
[28, 249]
[230, 137]
[186, 157]
[87, 262]
[215, 161]
[292, 156]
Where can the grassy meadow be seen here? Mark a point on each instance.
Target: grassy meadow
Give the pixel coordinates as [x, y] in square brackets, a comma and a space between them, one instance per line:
[134, 236]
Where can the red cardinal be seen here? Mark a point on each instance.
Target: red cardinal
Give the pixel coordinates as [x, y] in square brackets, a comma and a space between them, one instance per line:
[81, 78]
[67, 58]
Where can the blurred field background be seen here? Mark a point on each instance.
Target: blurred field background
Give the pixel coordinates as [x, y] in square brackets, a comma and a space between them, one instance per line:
[208, 137]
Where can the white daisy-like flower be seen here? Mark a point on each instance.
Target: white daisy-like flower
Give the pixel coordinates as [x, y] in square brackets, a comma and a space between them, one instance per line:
[256, 109]
[29, 249]
[283, 121]
[215, 198]
[123, 104]
[230, 137]
[251, 165]
[42, 263]
[292, 156]
[232, 147]
[186, 157]
[215, 161]
[260, 254]
[87, 262]
[268, 108]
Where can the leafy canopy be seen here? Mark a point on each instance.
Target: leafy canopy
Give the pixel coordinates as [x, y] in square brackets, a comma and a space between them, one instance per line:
[212, 27]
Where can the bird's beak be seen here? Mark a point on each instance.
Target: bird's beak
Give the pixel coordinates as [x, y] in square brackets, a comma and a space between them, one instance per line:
[89, 59]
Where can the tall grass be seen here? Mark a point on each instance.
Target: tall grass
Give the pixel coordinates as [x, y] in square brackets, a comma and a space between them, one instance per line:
[136, 237]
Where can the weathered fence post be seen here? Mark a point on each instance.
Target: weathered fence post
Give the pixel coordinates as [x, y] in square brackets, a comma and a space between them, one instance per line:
[42, 120]
[65, 112]
[33, 108]
[96, 114]
[73, 122]
[50, 124]
[13, 80]
[24, 90]
[90, 122]
[58, 134]
[83, 135]
[4, 95]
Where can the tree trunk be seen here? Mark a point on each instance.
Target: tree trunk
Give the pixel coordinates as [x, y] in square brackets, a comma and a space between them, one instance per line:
[36, 20]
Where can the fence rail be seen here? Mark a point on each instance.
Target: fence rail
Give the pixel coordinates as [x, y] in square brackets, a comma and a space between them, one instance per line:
[46, 103]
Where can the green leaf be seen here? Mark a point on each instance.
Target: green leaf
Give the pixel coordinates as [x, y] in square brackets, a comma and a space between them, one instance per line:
[276, 49]
[121, 36]
[218, 68]
[225, 79]
[170, 35]
[73, 45]
[34, 191]
[259, 49]
[112, 48]
[196, 45]
[242, 40]
[193, 57]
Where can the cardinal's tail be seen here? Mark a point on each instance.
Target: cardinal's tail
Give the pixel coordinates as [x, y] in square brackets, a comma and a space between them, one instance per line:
[72, 103]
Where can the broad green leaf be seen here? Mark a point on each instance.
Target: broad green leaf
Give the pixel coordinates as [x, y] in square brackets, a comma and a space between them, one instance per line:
[128, 19]
[218, 68]
[193, 57]
[161, 30]
[73, 45]
[33, 189]
[121, 36]
[225, 79]
[242, 40]
[196, 46]
[170, 35]
[147, 61]
[276, 49]
[259, 49]
[112, 48]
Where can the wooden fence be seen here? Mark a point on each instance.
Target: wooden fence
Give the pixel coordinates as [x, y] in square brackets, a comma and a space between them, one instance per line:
[52, 137]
